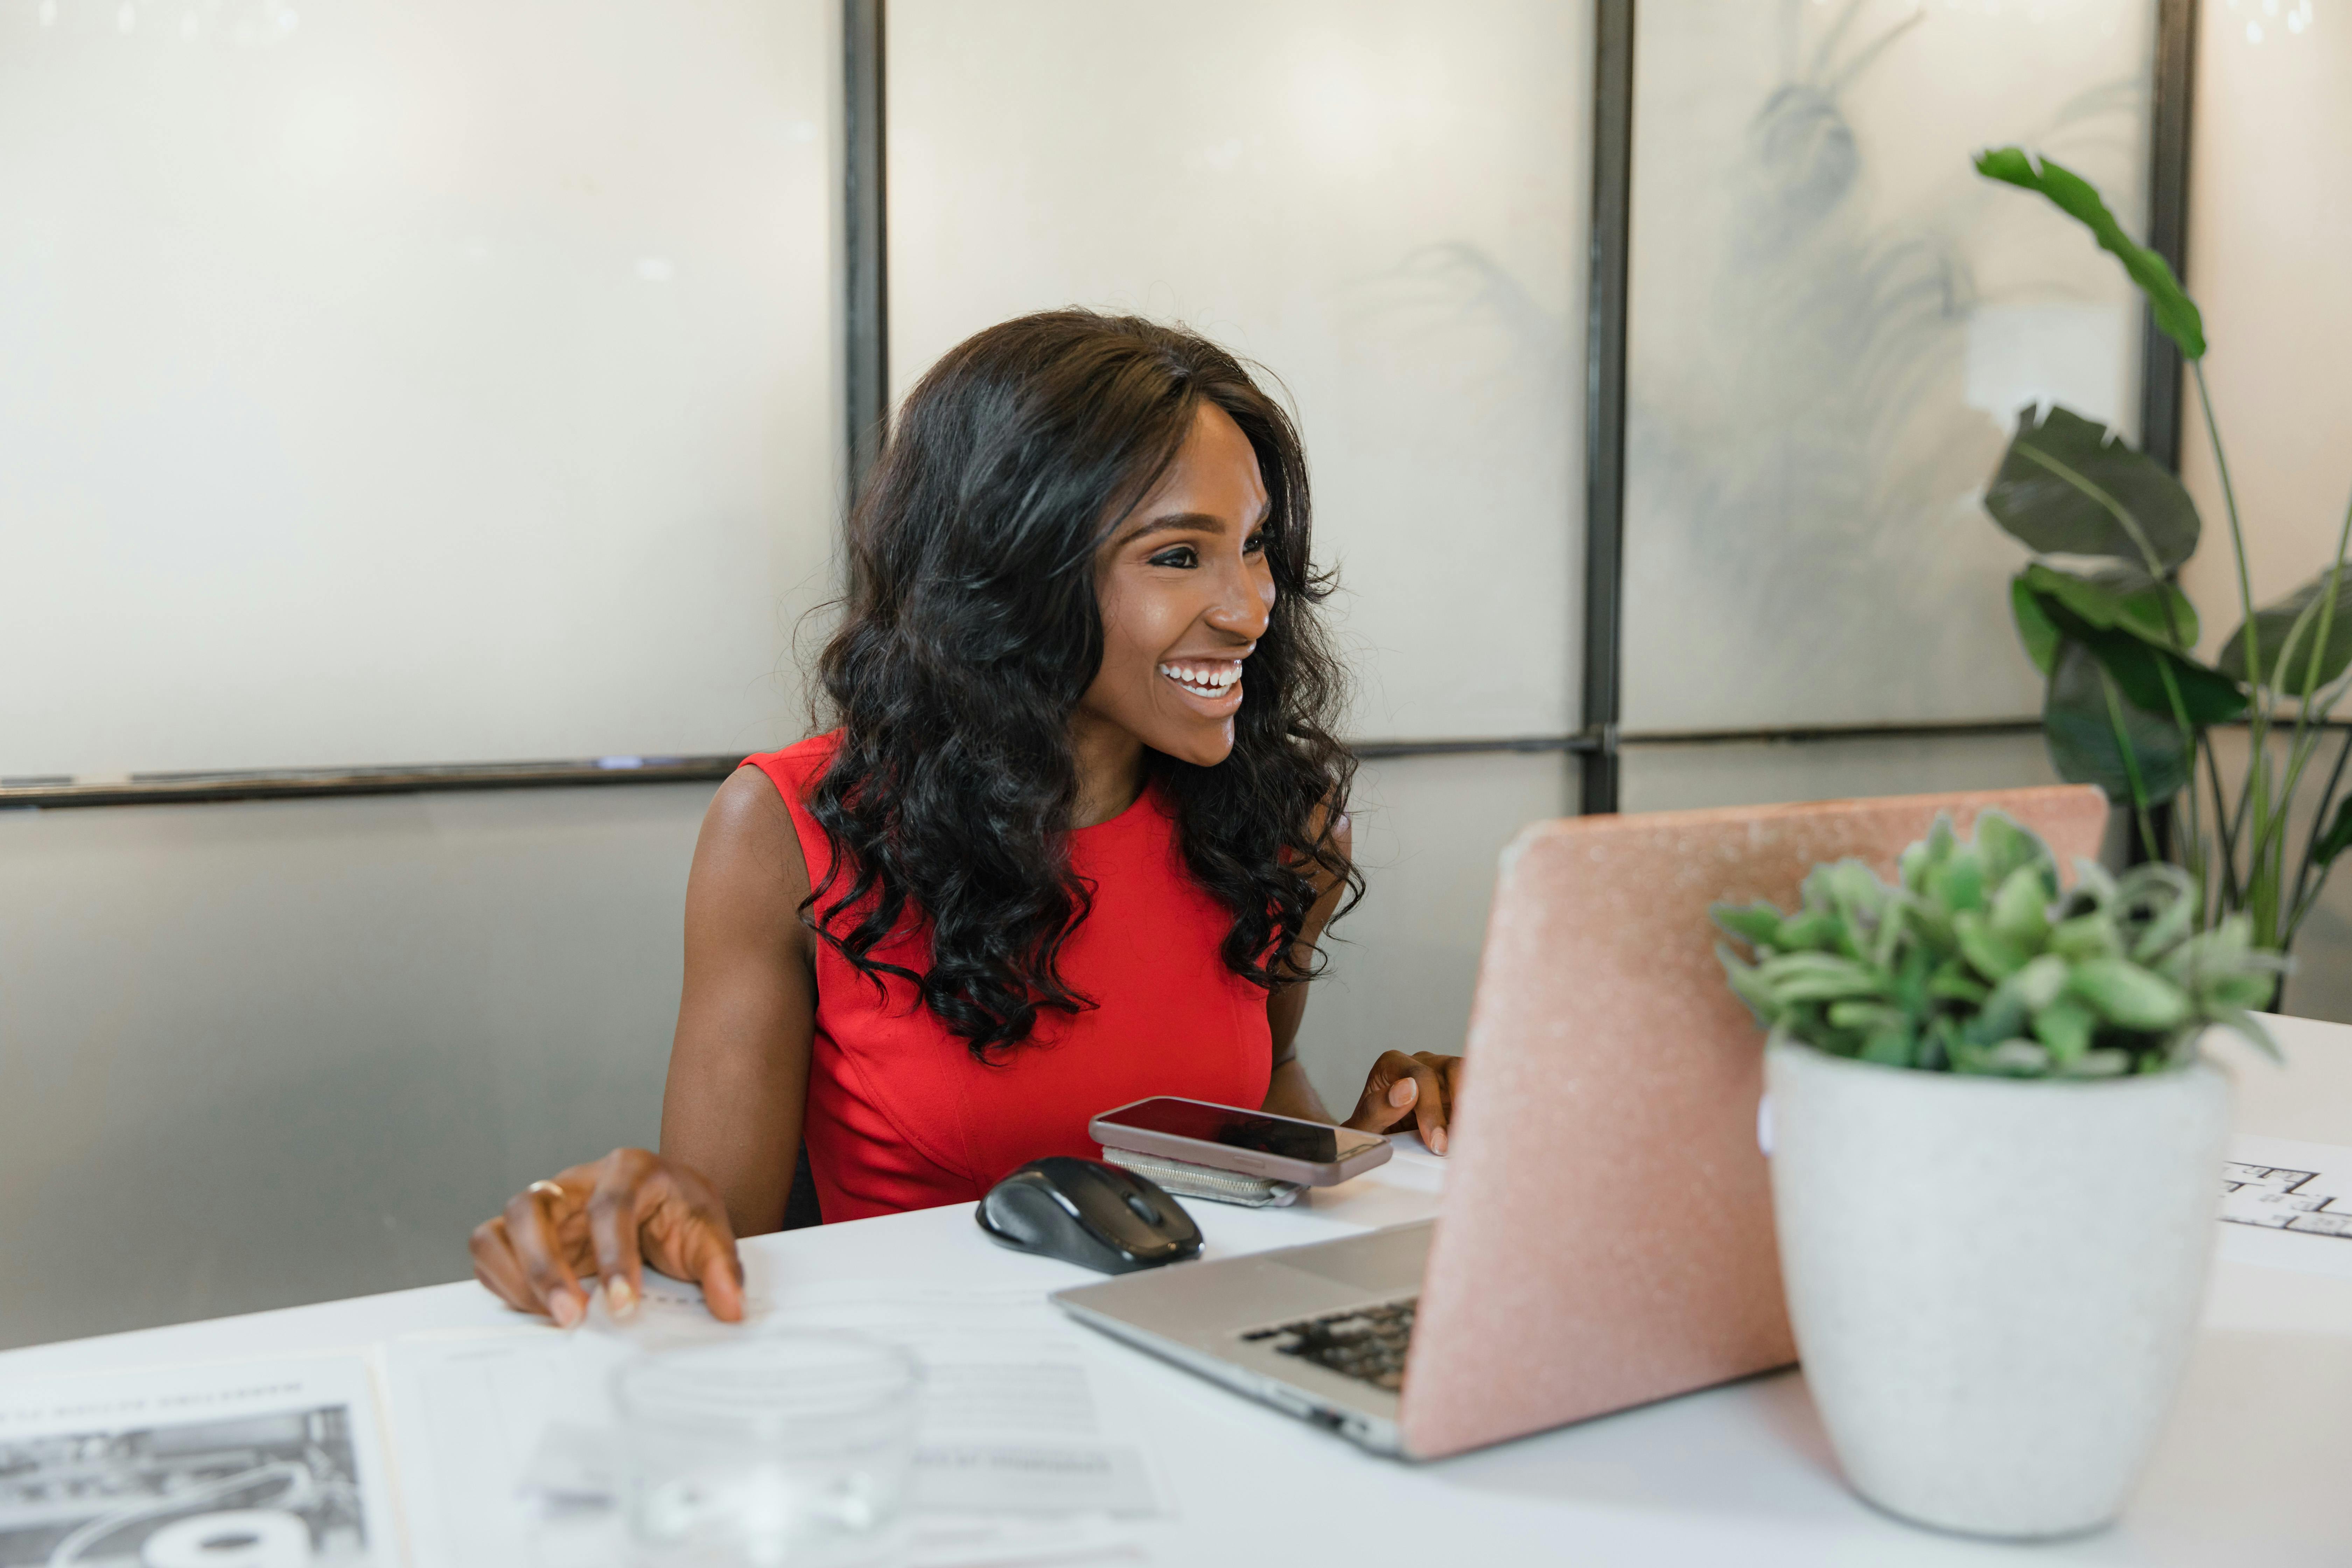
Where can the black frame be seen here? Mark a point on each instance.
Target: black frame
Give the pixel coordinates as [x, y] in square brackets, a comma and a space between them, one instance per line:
[308, 784]
[1607, 283]
[2160, 402]
[2160, 370]
[865, 239]
[1597, 746]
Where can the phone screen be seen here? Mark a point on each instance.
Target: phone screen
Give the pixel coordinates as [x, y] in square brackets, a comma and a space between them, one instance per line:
[1251, 1130]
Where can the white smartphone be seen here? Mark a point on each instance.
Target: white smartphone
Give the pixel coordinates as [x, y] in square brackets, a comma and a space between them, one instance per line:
[1226, 1138]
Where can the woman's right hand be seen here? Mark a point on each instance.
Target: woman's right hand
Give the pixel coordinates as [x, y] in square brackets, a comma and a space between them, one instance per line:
[605, 1221]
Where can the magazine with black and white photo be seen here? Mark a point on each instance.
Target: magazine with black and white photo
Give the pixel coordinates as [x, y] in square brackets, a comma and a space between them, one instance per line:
[273, 1464]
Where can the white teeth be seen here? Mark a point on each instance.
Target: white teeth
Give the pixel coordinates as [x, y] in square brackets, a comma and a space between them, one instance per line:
[1213, 682]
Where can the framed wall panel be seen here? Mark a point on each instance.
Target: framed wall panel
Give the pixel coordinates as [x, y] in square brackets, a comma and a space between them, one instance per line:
[1380, 203]
[1832, 324]
[399, 382]
[2268, 233]
[1429, 834]
[1762, 773]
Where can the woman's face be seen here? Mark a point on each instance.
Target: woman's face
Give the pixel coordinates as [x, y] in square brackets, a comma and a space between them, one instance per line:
[1185, 591]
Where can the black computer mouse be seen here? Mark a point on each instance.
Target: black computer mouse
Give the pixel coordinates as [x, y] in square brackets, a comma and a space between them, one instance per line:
[1084, 1211]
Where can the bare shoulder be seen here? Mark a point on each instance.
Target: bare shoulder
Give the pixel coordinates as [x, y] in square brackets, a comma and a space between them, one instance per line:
[1326, 827]
[1341, 827]
[748, 860]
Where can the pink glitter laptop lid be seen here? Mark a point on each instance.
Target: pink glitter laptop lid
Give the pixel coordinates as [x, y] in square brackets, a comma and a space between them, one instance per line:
[1605, 1237]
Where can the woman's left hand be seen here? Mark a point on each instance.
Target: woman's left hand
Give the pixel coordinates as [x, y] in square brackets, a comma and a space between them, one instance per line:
[1401, 1089]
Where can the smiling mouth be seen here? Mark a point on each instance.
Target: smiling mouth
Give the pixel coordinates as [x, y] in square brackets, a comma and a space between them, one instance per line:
[1204, 677]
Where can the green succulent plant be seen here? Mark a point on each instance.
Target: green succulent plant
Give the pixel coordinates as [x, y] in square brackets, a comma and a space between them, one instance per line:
[1977, 962]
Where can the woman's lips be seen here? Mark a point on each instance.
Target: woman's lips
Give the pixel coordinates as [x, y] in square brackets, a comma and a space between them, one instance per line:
[1211, 685]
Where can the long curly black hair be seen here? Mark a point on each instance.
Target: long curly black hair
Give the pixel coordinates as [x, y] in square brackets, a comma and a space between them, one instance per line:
[971, 630]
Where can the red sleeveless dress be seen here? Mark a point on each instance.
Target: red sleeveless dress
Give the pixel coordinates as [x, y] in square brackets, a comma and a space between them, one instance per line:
[899, 1116]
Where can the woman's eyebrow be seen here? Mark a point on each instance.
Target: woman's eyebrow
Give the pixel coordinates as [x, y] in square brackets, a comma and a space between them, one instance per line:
[1178, 523]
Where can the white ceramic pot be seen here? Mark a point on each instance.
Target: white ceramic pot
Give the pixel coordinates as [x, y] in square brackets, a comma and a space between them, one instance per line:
[1994, 1282]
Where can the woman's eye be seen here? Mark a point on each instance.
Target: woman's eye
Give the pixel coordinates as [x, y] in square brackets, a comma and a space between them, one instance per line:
[1255, 544]
[1182, 555]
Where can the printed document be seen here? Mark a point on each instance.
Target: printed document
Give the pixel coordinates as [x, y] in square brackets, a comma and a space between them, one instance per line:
[276, 1464]
[2286, 1204]
[511, 1443]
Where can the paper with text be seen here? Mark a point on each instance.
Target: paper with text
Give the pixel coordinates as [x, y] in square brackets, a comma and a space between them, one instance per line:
[2288, 1204]
[274, 1464]
[513, 1436]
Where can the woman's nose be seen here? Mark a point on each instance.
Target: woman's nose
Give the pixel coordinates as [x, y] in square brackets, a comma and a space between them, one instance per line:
[1243, 609]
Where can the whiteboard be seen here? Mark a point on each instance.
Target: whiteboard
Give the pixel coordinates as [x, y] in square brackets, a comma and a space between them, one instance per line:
[412, 381]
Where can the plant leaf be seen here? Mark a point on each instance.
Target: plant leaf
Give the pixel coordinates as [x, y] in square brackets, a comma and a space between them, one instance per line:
[1818, 977]
[2122, 993]
[2020, 908]
[2119, 598]
[1748, 985]
[2082, 734]
[2176, 313]
[2249, 1028]
[1928, 853]
[2101, 1064]
[2033, 627]
[2085, 936]
[1952, 983]
[2068, 485]
[2338, 837]
[2274, 626]
[1758, 924]
[2041, 982]
[1809, 929]
[2017, 1057]
[1888, 1046]
[1992, 955]
[2207, 697]
[2065, 1027]
[2004, 847]
[1858, 1014]
[1959, 882]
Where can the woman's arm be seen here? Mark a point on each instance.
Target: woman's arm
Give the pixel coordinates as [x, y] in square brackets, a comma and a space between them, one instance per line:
[730, 1115]
[1401, 1089]
[738, 1065]
[1289, 1093]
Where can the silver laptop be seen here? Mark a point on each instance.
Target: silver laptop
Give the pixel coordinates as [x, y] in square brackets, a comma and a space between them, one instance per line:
[1605, 1236]
[1319, 1330]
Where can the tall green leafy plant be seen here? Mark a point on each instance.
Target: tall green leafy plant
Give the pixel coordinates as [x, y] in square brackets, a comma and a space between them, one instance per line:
[2129, 706]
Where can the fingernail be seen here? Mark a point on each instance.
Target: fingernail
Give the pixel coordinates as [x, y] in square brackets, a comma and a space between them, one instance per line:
[621, 1298]
[564, 1307]
[1437, 1139]
[1400, 1093]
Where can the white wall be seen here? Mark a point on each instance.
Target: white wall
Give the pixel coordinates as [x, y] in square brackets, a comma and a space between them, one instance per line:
[2269, 226]
[1686, 777]
[1428, 834]
[264, 1053]
[1384, 202]
[257, 1053]
[1381, 201]
[411, 381]
[260, 1054]
[1834, 323]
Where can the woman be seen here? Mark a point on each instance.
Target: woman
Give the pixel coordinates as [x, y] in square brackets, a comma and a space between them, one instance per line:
[1073, 843]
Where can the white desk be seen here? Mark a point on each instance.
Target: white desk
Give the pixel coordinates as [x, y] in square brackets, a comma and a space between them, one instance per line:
[2252, 1470]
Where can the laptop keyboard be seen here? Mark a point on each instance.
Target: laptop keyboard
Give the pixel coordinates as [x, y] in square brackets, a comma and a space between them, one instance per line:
[1365, 1342]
